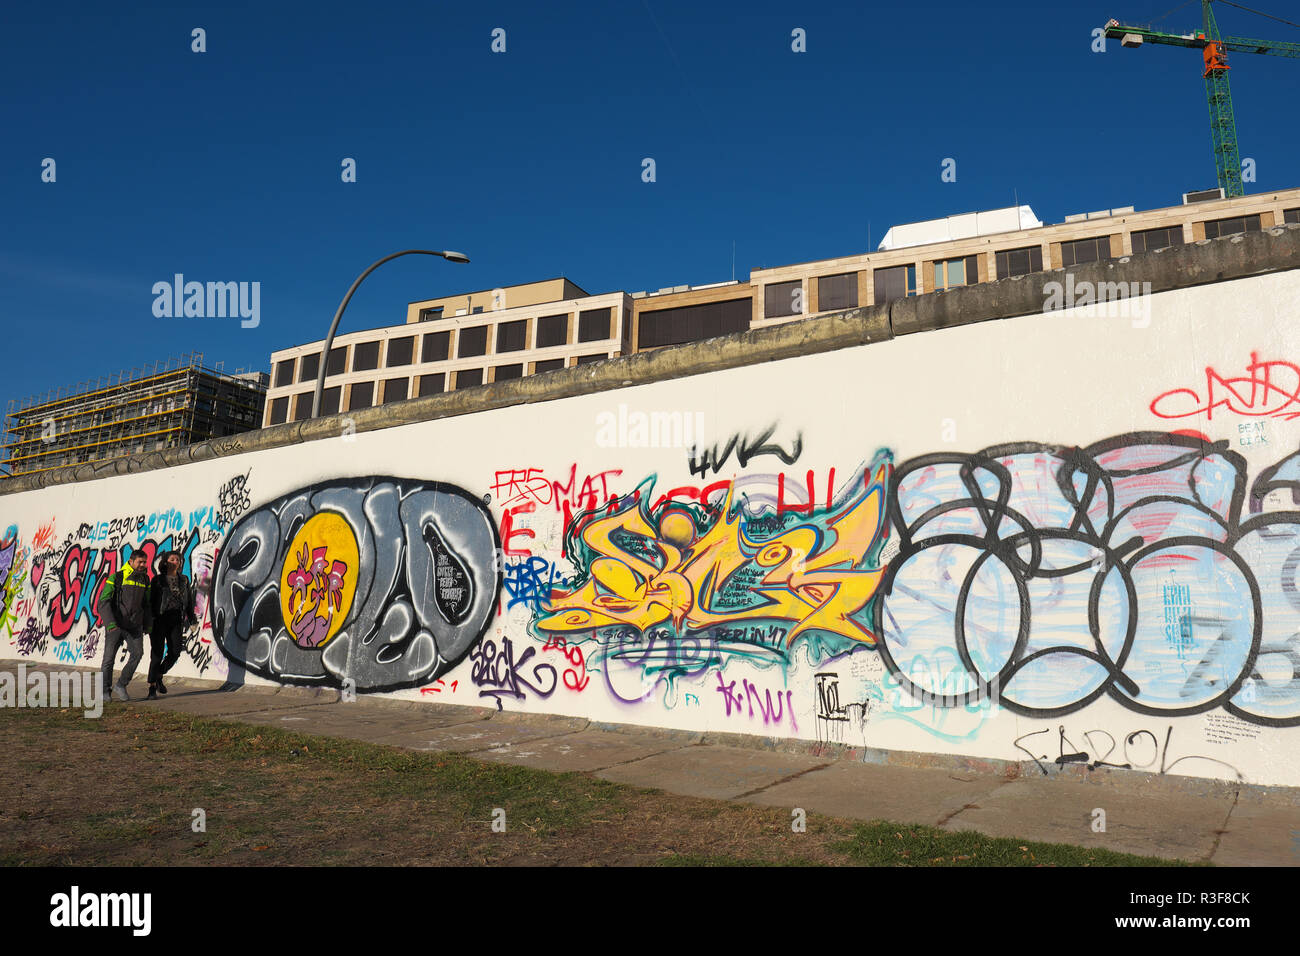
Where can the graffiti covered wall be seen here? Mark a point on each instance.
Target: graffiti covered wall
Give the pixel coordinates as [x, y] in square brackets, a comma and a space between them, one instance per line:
[1060, 538]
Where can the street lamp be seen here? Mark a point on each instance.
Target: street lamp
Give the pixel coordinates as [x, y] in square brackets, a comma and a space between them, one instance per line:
[329, 339]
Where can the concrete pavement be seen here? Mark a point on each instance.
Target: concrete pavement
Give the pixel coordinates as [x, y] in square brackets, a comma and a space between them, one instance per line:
[1171, 817]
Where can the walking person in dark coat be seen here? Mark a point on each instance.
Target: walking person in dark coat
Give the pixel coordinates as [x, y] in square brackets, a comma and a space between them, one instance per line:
[124, 606]
[172, 603]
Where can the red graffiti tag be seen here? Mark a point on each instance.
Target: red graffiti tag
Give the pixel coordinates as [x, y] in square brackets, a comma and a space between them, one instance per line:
[1267, 388]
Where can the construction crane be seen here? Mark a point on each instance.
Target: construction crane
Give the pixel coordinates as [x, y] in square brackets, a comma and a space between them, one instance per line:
[1215, 49]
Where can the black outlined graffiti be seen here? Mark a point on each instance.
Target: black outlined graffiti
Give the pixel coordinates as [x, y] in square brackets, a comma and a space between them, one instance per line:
[395, 579]
[1047, 577]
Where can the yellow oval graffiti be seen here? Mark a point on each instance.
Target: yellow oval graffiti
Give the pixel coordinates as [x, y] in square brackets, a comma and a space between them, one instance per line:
[319, 579]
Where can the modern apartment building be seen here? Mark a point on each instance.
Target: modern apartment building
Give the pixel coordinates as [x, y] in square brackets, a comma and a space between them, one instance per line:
[450, 343]
[498, 334]
[177, 402]
[981, 247]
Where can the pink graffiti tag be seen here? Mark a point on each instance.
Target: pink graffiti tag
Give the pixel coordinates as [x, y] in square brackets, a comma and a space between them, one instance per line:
[1267, 388]
[315, 582]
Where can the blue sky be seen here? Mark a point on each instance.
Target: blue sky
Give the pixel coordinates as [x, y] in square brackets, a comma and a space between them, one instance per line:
[225, 165]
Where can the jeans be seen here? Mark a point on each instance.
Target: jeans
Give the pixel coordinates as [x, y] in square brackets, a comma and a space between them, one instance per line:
[135, 648]
[167, 629]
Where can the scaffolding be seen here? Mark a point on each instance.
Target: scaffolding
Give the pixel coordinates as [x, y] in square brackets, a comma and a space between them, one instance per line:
[173, 403]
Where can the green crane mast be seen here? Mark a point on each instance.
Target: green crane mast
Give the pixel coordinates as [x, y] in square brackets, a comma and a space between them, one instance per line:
[1215, 49]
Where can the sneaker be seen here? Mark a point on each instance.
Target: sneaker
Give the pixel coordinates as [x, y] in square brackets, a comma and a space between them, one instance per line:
[153, 693]
[162, 688]
[119, 692]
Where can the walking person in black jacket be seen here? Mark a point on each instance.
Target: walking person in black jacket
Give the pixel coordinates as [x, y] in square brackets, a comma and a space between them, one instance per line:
[124, 606]
[172, 603]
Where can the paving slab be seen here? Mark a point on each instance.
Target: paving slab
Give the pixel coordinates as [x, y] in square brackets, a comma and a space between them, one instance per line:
[877, 792]
[585, 750]
[712, 770]
[1259, 836]
[220, 703]
[1176, 826]
[354, 723]
[476, 736]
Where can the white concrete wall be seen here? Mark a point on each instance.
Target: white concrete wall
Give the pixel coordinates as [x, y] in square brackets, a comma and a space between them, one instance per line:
[1171, 643]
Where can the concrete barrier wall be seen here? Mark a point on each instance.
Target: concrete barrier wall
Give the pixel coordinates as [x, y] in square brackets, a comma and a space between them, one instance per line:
[1064, 537]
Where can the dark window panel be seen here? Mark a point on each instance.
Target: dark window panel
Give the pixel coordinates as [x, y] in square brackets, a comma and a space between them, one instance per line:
[361, 395]
[432, 384]
[365, 356]
[552, 330]
[338, 363]
[550, 365]
[503, 373]
[302, 406]
[329, 400]
[284, 373]
[588, 359]
[309, 367]
[691, 323]
[1019, 262]
[400, 351]
[280, 410]
[779, 300]
[593, 325]
[431, 315]
[1291, 215]
[1148, 240]
[1218, 228]
[469, 377]
[837, 292]
[395, 390]
[436, 346]
[512, 336]
[471, 342]
[890, 284]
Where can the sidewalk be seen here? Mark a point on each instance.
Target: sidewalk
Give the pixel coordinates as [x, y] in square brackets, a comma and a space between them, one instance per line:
[1172, 817]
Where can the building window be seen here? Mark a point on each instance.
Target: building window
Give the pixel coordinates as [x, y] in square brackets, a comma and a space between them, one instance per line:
[691, 323]
[512, 336]
[588, 359]
[365, 356]
[302, 406]
[395, 390]
[329, 400]
[361, 395]
[279, 411]
[550, 365]
[503, 373]
[593, 325]
[338, 363]
[432, 384]
[400, 351]
[1080, 251]
[1291, 215]
[898, 282]
[782, 299]
[552, 330]
[1148, 240]
[471, 342]
[309, 367]
[431, 315]
[952, 273]
[1019, 262]
[284, 373]
[1217, 228]
[469, 377]
[478, 309]
[436, 346]
[837, 292]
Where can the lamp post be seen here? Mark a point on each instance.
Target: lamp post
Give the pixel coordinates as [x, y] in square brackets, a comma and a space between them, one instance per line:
[329, 339]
